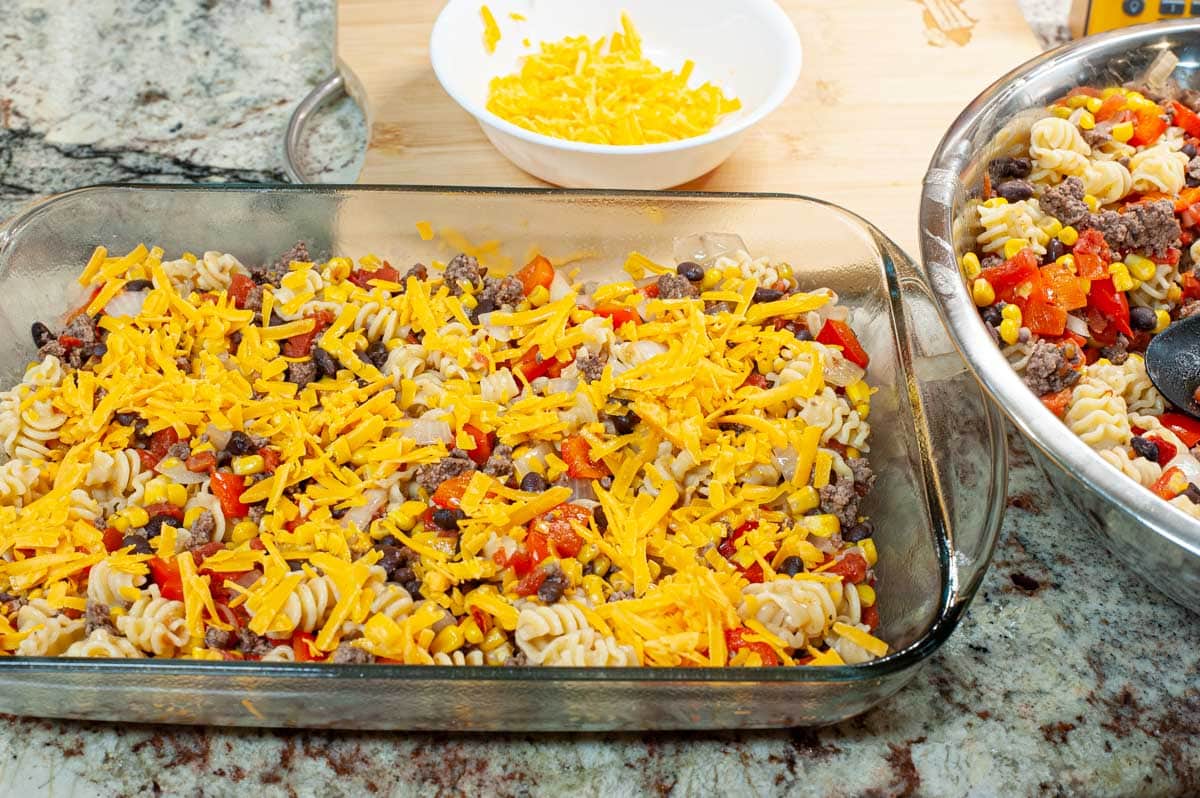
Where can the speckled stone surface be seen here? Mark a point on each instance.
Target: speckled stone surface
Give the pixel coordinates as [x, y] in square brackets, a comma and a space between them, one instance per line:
[1069, 676]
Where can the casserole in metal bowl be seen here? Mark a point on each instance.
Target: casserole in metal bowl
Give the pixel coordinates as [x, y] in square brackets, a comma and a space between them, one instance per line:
[939, 455]
[1150, 536]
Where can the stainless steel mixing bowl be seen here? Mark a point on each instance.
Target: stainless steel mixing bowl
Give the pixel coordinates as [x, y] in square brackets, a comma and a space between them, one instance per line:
[1151, 537]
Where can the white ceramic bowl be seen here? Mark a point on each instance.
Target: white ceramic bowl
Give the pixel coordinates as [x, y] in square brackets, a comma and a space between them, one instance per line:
[748, 47]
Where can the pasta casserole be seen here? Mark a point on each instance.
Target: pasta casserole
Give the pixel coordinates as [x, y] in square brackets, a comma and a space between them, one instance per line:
[346, 462]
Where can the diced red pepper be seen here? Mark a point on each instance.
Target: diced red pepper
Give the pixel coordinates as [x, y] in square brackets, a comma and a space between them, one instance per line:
[1148, 128]
[165, 508]
[112, 539]
[1109, 108]
[728, 546]
[161, 441]
[301, 345]
[1185, 118]
[1111, 303]
[1166, 451]
[201, 463]
[500, 558]
[240, 287]
[165, 574]
[754, 573]
[538, 546]
[870, 616]
[1162, 486]
[620, 314]
[651, 290]
[1063, 288]
[1186, 428]
[1044, 318]
[483, 444]
[69, 341]
[450, 492]
[362, 277]
[851, 568]
[1189, 284]
[838, 333]
[228, 489]
[533, 366]
[564, 539]
[756, 380]
[1057, 403]
[271, 459]
[520, 562]
[1012, 272]
[1187, 198]
[538, 272]
[207, 550]
[735, 641]
[576, 453]
[530, 584]
[302, 644]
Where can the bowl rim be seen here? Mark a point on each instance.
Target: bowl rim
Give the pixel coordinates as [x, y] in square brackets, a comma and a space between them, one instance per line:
[959, 575]
[961, 318]
[788, 76]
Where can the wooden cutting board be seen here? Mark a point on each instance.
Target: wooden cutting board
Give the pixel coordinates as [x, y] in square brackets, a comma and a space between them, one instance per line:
[882, 81]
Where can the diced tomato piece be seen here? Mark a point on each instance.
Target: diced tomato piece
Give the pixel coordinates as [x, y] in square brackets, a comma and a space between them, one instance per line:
[538, 546]
[1148, 128]
[651, 290]
[257, 544]
[754, 573]
[165, 508]
[756, 380]
[165, 574]
[520, 562]
[201, 463]
[1189, 284]
[1111, 303]
[870, 616]
[450, 492]
[70, 341]
[1186, 428]
[500, 558]
[112, 539]
[228, 489]
[1162, 486]
[1012, 272]
[161, 441]
[149, 461]
[852, 567]
[620, 314]
[576, 453]
[483, 444]
[564, 539]
[302, 644]
[530, 584]
[533, 366]
[1108, 109]
[728, 546]
[207, 550]
[301, 345]
[538, 272]
[1057, 403]
[362, 277]
[240, 287]
[271, 459]
[838, 333]
[735, 641]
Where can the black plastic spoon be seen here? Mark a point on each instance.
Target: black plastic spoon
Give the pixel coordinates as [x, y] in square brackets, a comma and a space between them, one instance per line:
[1173, 364]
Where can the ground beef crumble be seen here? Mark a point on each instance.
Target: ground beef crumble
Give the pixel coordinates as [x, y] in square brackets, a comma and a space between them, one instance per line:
[430, 476]
[1052, 368]
[675, 286]
[98, 616]
[1149, 227]
[1065, 201]
[463, 269]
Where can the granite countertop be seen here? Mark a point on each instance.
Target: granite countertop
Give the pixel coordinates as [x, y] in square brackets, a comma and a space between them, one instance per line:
[1068, 675]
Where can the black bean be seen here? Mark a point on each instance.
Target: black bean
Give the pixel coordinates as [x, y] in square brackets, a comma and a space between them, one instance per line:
[240, 444]
[377, 353]
[1189, 150]
[802, 334]
[235, 339]
[126, 419]
[139, 285]
[153, 527]
[694, 272]
[447, 519]
[223, 458]
[139, 543]
[1054, 250]
[97, 350]
[533, 482]
[413, 587]
[41, 334]
[1015, 190]
[1145, 447]
[992, 315]
[766, 295]
[387, 540]
[552, 589]
[625, 424]
[858, 532]
[792, 566]
[1143, 319]
[328, 367]
[1003, 168]
[600, 518]
[1192, 492]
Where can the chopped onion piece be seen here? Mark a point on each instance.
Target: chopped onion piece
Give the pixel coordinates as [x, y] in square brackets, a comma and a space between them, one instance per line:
[180, 474]
[1077, 325]
[429, 430]
[560, 287]
[362, 515]
[126, 303]
[218, 437]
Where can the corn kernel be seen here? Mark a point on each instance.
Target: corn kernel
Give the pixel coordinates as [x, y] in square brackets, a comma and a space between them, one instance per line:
[863, 409]
[785, 271]
[1178, 482]
[493, 639]
[469, 302]
[447, 641]
[1174, 294]
[1013, 247]
[1067, 260]
[995, 202]
[971, 266]
[1011, 311]
[712, 278]
[1164, 320]
[1077, 101]
[858, 391]
[1061, 111]
[244, 531]
[803, 500]
[851, 452]
[1052, 227]
[119, 523]
[189, 257]
[177, 494]
[1068, 235]
[1092, 203]
[539, 296]
[436, 582]
[588, 553]
[250, 464]
[137, 516]
[1087, 121]
[1010, 331]
[601, 564]
[869, 551]
[156, 492]
[1141, 268]
[1123, 132]
[823, 525]
[471, 631]
[1119, 272]
[866, 595]
[573, 570]
[1110, 91]
[1094, 103]
[982, 292]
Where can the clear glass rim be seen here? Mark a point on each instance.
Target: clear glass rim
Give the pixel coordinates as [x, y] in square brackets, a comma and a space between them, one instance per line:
[953, 599]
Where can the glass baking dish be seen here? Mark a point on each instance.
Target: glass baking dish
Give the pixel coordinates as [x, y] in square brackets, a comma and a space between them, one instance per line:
[938, 449]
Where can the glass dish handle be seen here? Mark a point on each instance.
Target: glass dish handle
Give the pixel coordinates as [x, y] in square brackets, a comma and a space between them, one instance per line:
[969, 481]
